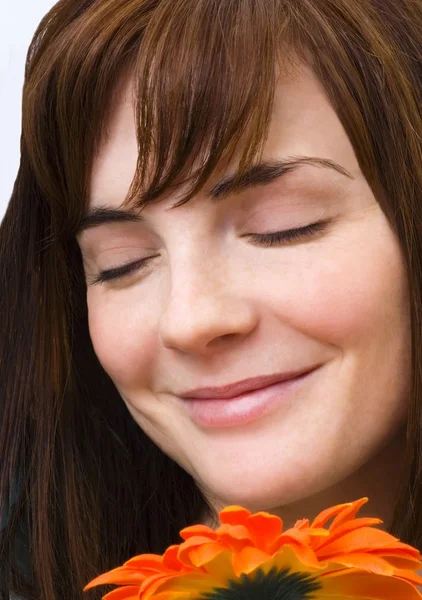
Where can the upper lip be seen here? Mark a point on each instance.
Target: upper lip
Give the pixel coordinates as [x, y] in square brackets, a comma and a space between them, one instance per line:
[245, 385]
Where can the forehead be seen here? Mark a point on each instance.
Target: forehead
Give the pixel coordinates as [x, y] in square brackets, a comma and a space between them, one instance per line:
[303, 123]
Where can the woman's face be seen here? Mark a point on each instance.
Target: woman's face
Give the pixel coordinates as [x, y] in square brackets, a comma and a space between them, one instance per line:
[215, 305]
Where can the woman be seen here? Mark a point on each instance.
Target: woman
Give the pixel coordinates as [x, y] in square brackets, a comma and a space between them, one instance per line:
[259, 343]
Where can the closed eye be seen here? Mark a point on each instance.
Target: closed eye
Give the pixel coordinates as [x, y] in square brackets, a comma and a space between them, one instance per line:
[119, 272]
[261, 239]
[289, 235]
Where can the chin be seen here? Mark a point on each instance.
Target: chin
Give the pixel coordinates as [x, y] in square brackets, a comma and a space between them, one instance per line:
[258, 494]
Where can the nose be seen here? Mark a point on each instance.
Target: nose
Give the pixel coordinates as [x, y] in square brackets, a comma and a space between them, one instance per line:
[203, 310]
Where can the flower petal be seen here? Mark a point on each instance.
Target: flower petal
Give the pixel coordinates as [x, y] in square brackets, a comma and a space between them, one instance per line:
[220, 568]
[202, 555]
[185, 550]
[300, 536]
[151, 561]
[234, 515]
[264, 529]
[302, 524]
[346, 527]
[410, 576]
[400, 549]
[289, 559]
[340, 509]
[171, 561]
[234, 537]
[190, 582]
[305, 555]
[398, 561]
[348, 513]
[119, 576]
[364, 539]
[365, 586]
[248, 559]
[366, 562]
[237, 532]
[170, 595]
[151, 585]
[128, 592]
[198, 530]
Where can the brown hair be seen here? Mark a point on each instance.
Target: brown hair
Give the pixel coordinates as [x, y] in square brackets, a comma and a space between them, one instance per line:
[90, 489]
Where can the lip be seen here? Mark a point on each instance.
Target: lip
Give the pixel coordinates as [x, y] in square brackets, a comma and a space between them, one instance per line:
[244, 408]
[232, 390]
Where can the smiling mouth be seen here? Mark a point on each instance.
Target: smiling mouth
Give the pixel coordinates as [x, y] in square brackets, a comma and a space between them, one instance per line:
[246, 407]
[240, 388]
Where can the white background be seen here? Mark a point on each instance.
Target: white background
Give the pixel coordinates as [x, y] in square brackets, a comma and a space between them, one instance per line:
[19, 19]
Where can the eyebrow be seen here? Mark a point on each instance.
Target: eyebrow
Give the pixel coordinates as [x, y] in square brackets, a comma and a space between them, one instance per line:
[258, 175]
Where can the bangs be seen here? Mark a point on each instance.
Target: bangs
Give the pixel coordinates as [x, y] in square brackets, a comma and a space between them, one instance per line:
[203, 76]
[204, 85]
[203, 73]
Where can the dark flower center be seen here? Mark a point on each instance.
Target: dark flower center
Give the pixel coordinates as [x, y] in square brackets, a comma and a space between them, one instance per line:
[276, 585]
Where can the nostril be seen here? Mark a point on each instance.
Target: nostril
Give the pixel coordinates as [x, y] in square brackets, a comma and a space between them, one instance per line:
[228, 336]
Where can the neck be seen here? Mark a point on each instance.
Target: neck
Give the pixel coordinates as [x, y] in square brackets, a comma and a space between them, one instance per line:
[379, 480]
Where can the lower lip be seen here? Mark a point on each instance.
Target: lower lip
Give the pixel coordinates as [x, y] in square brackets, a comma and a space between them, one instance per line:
[244, 408]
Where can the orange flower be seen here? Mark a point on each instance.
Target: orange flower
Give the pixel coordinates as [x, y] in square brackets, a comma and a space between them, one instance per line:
[348, 558]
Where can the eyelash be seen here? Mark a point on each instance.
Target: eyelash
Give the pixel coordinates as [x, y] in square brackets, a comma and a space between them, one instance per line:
[266, 240]
[290, 235]
[119, 272]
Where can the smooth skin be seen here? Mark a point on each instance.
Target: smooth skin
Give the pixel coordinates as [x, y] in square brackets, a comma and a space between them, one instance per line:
[214, 307]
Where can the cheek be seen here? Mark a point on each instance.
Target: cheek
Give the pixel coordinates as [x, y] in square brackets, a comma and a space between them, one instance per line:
[124, 339]
[355, 299]
[354, 291]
